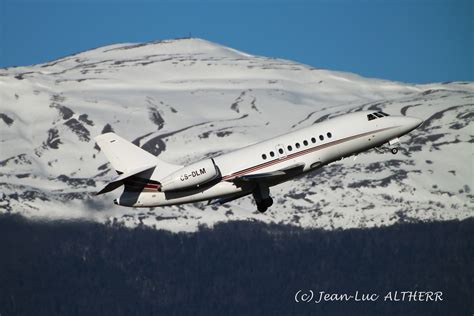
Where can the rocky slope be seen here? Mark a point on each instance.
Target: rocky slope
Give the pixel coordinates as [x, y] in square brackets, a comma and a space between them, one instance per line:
[189, 98]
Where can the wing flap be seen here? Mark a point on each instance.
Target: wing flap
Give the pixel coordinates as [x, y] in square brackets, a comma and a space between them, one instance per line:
[264, 176]
[227, 199]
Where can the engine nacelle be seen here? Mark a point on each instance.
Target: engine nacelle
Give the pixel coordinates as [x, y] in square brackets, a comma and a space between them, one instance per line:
[190, 176]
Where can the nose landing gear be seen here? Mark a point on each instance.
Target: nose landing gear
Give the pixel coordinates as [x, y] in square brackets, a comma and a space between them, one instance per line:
[389, 146]
[382, 149]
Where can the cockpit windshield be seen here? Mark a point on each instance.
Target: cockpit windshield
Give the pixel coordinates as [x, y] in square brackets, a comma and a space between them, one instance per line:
[376, 115]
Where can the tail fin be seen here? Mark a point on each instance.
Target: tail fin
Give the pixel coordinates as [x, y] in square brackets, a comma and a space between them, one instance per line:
[125, 157]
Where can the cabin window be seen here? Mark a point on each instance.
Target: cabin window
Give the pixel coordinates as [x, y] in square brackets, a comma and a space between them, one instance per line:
[272, 154]
[280, 150]
[329, 135]
[383, 113]
[290, 148]
[371, 117]
[321, 137]
[313, 140]
[305, 142]
[297, 145]
[264, 157]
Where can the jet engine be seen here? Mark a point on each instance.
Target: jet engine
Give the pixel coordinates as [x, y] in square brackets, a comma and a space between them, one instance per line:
[191, 176]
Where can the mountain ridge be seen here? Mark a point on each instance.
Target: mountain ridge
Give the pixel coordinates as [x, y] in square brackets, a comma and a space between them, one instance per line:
[188, 99]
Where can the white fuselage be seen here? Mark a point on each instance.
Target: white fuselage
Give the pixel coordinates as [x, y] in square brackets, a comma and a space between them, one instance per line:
[311, 147]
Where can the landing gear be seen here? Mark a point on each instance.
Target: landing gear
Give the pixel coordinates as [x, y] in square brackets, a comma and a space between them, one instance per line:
[393, 142]
[263, 205]
[262, 197]
[390, 146]
[383, 150]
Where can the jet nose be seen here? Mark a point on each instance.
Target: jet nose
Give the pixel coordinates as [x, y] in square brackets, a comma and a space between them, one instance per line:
[412, 122]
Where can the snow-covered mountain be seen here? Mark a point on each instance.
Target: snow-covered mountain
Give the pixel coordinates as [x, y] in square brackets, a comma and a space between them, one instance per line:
[186, 99]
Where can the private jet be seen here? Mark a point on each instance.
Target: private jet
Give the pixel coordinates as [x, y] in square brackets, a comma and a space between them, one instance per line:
[151, 182]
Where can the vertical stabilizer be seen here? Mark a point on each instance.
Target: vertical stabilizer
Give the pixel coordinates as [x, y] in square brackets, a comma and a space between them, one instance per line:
[126, 157]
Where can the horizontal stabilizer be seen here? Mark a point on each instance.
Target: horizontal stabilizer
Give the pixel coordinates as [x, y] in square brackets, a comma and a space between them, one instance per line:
[117, 182]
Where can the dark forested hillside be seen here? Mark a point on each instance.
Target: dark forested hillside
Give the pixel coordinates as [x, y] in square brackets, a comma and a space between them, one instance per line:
[82, 268]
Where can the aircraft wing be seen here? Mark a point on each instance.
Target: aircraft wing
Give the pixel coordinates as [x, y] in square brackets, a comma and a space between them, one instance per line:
[224, 200]
[115, 183]
[269, 176]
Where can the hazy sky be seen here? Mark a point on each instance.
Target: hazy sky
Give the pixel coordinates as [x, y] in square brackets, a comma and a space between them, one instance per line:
[405, 40]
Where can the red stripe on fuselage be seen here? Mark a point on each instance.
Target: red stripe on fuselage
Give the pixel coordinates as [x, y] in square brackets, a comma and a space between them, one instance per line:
[152, 186]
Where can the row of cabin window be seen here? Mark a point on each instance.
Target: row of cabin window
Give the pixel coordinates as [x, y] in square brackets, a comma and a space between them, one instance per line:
[297, 145]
